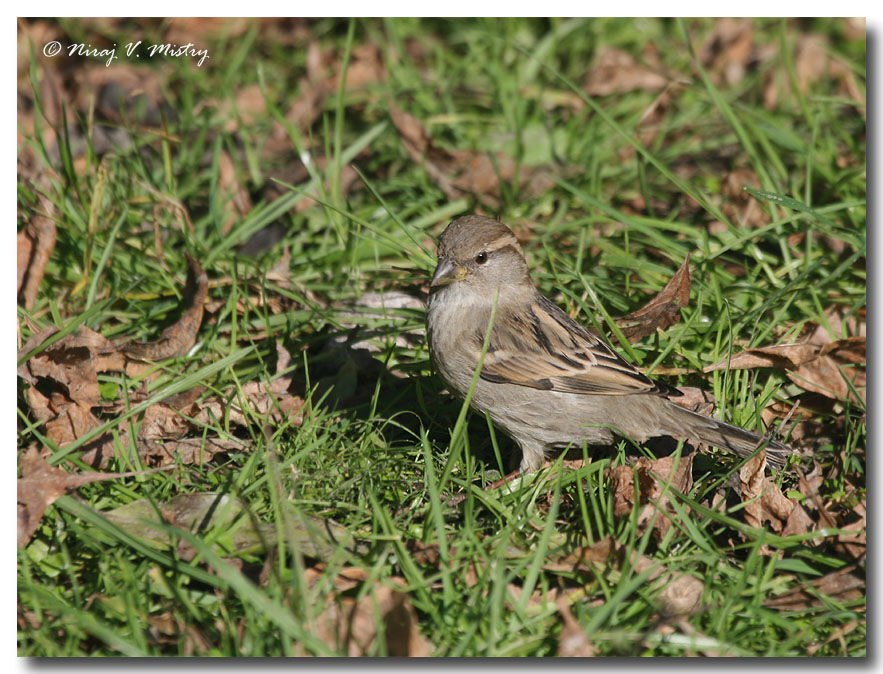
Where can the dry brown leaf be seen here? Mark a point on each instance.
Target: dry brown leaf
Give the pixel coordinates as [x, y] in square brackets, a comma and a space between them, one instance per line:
[854, 545]
[599, 552]
[72, 362]
[177, 339]
[181, 30]
[695, 399]
[828, 369]
[125, 93]
[836, 371]
[161, 440]
[652, 495]
[465, 172]
[167, 628]
[682, 593]
[71, 421]
[729, 50]
[162, 421]
[184, 451]
[348, 180]
[573, 641]
[234, 197]
[25, 245]
[268, 400]
[844, 585]
[782, 356]
[365, 69]
[663, 310]
[70, 366]
[811, 60]
[739, 206]
[836, 316]
[765, 502]
[322, 79]
[250, 106]
[616, 72]
[837, 634]
[35, 245]
[350, 626]
[41, 484]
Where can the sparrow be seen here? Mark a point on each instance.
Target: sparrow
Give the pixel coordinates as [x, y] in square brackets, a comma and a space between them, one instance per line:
[547, 381]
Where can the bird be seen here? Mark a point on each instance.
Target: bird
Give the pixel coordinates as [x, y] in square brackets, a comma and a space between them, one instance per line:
[544, 379]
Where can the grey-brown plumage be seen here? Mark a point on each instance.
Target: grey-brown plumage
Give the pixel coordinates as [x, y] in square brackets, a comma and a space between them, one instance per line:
[545, 379]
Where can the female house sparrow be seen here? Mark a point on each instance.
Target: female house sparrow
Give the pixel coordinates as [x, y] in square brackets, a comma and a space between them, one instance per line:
[545, 380]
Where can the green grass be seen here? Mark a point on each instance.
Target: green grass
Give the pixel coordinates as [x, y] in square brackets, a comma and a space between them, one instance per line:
[382, 460]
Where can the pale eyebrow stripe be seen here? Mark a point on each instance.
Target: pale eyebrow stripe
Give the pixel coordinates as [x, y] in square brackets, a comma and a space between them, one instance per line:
[502, 242]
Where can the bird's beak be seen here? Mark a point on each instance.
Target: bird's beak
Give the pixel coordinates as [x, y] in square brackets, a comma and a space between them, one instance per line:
[447, 272]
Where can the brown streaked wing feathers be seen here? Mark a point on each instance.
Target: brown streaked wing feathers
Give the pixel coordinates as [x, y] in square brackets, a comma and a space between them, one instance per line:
[559, 355]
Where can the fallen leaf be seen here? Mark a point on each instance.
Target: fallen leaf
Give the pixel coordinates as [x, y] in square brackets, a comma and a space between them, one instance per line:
[681, 594]
[663, 310]
[828, 369]
[839, 633]
[163, 421]
[729, 51]
[616, 72]
[41, 484]
[70, 421]
[181, 30]
[600, 552]
[166, 628]
[168, 451]
[837, 372]
[652, 494]
[235, 199]
[177, 339]
[314, 537]
[573, 641]
[765, 502]
[72, 362]
[351, 626]
[35, 245]
[466, 172]
[160, 440]
[365, 69]
[69, 368]
[270, 401]
[811, 60]
[839, 323]
[738, 205]
[695, 399]
[782, 356]
[854, 545]
[842, 586]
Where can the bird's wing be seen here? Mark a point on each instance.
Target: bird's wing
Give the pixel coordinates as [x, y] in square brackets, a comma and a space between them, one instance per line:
[542, 347]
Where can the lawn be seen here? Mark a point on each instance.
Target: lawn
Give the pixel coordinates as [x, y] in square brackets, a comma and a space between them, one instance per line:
[231, 440]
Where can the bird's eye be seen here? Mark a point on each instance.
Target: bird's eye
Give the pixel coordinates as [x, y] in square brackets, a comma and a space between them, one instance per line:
[481, 258]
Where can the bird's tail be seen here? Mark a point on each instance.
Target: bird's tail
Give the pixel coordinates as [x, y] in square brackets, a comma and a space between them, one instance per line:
[695, 428]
